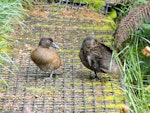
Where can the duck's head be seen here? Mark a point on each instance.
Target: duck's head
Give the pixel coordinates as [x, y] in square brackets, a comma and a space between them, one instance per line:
[90, 42]
[47, 42]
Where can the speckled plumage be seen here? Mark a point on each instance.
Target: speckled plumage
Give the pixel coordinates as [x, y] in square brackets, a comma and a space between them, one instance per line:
[97, 56]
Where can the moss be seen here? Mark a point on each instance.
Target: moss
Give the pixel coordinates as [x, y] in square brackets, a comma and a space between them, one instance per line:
[112, 106]
[1, 107]
[105, 37]
[74, 83]
[108, 106]
[67, 51]
[85, 91]
[115, 84]
[89, 27]
[2, 90]
[108, 98]
[54, 8]
[108, 43]
[93, 84]
[110, 22]
[87, 107]
[94, 4]
[41, 90]
[89, 98]
[116, 91]
[119, 92]
[112, 14]
[105, 24]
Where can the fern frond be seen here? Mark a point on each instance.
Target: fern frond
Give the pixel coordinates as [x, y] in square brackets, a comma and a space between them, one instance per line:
[131, 22]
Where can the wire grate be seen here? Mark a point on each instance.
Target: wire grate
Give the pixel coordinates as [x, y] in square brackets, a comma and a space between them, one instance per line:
[71, 90]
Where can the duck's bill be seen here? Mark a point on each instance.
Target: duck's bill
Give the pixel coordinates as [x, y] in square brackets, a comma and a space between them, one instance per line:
[55, 46]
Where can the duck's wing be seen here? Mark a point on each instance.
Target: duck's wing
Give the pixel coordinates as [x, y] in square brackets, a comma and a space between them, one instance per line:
[100, 57]
[82, 56]
[101, 51]
[43, 56]
[46, 59]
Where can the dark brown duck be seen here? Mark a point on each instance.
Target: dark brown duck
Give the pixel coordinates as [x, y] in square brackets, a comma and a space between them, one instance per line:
[45, 56]
[97, 57]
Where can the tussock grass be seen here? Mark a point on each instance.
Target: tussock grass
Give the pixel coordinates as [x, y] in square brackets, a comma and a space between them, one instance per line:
[135, 72]
[11, 12]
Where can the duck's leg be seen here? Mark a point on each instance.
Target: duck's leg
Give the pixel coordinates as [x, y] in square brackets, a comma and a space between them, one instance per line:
[96, 75]
[52, 72]
[49, 78]
[99, 78]
[91, 77]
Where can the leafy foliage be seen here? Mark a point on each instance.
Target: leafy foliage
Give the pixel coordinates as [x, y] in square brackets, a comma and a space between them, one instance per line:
[112, 14]
[133, 35]
[136, 70]
[93, 4]
[131, 22]
[11, 11]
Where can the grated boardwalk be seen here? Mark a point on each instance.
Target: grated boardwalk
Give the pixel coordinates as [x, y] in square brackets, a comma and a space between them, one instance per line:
[71, 90]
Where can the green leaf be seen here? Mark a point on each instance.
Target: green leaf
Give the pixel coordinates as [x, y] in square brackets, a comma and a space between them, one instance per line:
[93, 4]
[2, 43]
[112, 14]
[109, 21]
[146, 29]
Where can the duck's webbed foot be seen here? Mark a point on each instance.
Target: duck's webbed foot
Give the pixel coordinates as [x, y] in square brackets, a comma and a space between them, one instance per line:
[94, 77]
[100, 78]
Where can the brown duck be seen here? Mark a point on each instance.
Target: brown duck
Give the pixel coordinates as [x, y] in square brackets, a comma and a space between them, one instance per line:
[97, 57]
[45, 56]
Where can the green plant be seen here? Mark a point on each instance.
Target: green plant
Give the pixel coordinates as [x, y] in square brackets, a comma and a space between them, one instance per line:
[5, 59]
[135, 69]
[11, 11]
[138, 2]
[135, 72]
[94, 4]
[122, 10]
[125, 7]
[131, 22]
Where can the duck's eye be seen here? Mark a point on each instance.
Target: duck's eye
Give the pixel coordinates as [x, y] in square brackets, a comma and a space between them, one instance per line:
[48, 41]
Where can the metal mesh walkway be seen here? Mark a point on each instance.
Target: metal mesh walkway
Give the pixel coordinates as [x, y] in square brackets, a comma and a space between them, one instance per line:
[71, 91]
